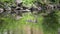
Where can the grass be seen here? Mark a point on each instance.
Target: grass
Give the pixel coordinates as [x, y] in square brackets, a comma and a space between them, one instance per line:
[24, 26]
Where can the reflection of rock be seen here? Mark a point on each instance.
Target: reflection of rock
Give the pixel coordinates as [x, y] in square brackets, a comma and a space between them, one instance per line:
[33, 21]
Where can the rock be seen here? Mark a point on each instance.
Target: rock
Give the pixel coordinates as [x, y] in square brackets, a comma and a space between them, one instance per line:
[18, 1]
[1, 10]
[58, 7]
[8, 10]
[51, 6]
[32, 21]
[39, 8]
[19, 8]
[58, 30]
[13, 6]
[18, 17]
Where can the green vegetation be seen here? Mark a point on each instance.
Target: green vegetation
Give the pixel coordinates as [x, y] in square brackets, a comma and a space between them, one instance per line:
[48, 24]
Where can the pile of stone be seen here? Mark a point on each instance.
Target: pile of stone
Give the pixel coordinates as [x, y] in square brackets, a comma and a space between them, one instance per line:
[36, 7]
